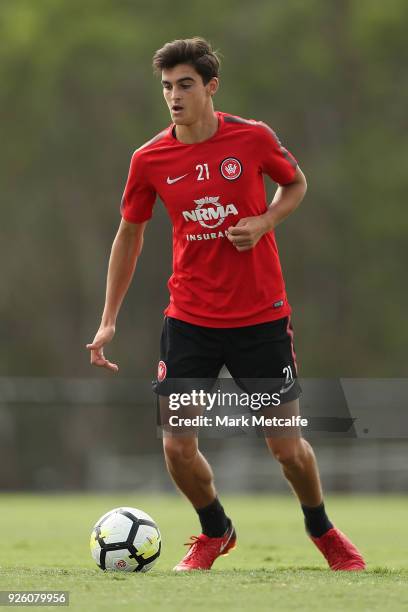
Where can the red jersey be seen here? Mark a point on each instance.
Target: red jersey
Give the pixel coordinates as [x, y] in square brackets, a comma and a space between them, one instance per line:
[207, 187]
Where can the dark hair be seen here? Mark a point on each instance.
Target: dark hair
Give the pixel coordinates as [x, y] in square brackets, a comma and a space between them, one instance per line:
[194, 51]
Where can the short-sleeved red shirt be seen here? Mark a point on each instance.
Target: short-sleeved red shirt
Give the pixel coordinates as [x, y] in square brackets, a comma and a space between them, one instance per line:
[206, 187]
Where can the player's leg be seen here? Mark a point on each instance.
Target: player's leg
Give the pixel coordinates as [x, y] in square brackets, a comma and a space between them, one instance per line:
[187, 466]
[262, 359]
[299, 466]
[191, 359]
[193, 475]
[190, 470]
[295, 456]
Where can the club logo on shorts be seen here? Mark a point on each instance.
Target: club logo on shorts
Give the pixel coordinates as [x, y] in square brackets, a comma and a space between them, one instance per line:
[231, 168]
[161, 371]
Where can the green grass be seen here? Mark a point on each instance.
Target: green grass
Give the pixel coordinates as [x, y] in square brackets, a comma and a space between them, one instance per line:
[44, 545]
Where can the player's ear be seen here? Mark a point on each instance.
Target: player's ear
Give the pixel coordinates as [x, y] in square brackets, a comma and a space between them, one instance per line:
[212, 86]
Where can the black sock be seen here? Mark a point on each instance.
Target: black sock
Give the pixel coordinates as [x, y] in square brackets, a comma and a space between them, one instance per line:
[214, 522]
[316, 520]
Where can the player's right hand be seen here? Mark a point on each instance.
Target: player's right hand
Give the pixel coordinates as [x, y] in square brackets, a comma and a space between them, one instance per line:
[103, 336]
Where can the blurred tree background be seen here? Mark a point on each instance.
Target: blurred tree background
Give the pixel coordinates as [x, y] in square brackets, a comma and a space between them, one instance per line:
[77, 96]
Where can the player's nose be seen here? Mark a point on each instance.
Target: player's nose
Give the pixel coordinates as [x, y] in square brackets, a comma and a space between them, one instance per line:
[175, 94]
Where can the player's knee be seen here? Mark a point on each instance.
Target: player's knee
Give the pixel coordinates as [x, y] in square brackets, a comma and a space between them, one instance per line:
[288, 452]
[179, 450]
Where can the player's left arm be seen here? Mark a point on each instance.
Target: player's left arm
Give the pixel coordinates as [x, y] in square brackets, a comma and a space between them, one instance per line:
[250, 230]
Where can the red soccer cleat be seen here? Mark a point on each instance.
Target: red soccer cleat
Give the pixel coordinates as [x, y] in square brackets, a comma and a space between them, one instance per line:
[341, 554]
[204, 551]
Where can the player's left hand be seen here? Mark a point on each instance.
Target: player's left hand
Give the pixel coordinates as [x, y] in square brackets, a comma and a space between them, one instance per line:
[247, 232]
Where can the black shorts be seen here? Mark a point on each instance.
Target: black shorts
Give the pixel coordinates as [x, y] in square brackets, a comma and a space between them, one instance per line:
[260, 358]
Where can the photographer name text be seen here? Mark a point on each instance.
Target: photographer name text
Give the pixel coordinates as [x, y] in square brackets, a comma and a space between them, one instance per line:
[253, 420]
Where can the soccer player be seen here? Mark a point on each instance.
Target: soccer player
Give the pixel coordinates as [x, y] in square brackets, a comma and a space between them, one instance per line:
[228, 303]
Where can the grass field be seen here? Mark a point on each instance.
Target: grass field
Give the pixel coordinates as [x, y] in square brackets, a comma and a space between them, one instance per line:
[44, 545]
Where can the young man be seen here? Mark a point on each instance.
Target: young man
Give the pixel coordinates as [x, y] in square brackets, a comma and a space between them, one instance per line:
[228, 303]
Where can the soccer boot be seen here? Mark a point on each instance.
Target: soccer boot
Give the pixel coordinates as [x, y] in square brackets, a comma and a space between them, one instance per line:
[341, 554]
[203, 551]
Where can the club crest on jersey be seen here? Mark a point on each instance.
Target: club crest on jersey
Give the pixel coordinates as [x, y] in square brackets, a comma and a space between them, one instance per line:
[161, 371]
[231, 168]
[209, 212]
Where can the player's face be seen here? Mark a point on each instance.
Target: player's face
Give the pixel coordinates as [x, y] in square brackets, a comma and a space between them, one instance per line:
[185, 93]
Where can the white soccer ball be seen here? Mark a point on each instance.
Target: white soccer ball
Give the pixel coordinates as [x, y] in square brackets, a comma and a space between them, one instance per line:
[127, 540]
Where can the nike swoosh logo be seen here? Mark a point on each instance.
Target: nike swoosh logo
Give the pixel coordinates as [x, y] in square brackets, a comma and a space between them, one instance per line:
[170, 181]
[286, 389]
[224, 544]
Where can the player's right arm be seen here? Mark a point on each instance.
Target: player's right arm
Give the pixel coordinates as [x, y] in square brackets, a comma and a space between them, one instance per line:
[126, 249]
